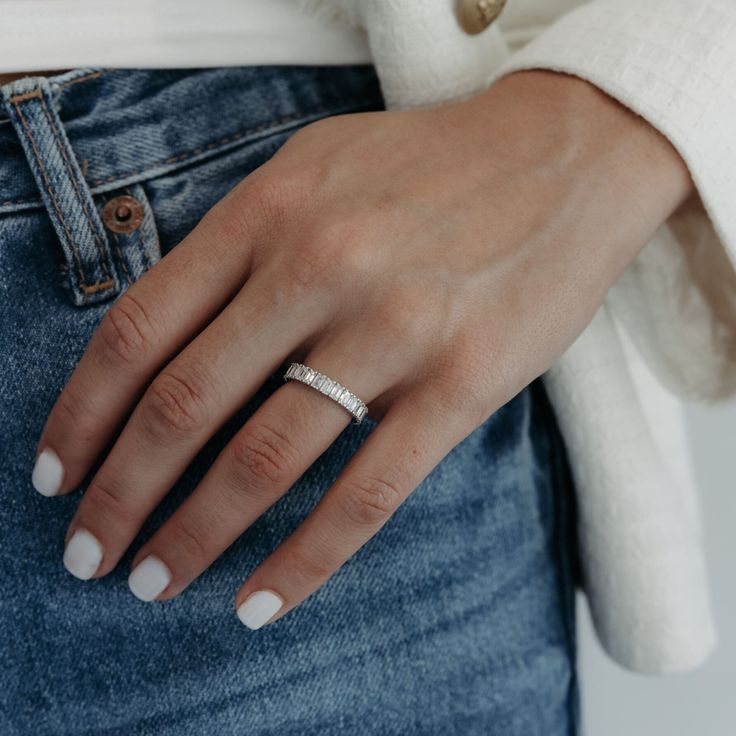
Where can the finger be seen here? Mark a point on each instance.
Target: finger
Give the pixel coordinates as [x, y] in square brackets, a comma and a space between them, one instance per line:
[145, 327]
[182, 408]
[287, 433]
[407, 444]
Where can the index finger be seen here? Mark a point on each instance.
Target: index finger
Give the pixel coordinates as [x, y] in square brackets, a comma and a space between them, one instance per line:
[142, 330]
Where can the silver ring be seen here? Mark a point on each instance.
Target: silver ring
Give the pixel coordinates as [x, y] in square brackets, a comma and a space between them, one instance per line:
[336, 391]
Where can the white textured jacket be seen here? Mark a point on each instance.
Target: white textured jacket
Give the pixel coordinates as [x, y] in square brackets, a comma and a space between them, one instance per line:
[667, 330]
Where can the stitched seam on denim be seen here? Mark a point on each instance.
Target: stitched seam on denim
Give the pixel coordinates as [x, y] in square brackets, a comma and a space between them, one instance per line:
[85, 78]
[80, 196]
[33, 94]
[50, 190]
[26, 200]
[140, 241]
[210, 146]
[86, 288]
[178, 158]
[119, 251]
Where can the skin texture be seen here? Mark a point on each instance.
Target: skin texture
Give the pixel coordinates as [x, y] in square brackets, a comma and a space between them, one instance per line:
[434, 262]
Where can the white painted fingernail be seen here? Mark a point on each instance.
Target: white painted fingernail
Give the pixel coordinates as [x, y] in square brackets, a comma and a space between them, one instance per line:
[83, 554]
[48, 473]
[258, 608]
[149, 578]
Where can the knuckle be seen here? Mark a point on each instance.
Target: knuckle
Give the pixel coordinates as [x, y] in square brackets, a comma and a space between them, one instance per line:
[110, 502]
[67, 409]
[458, 394]
[174, 406]
[125, 331]
[332, 256]
[251, 208]
[337, 236]
[189, 538]
[309, 563]
[318, 264]
[256, 208]
[307, 272]
[261, 457]
[72, 410]
[343, 245]
[276, 192]
[292, 184]
[370, 501]
[404, 320]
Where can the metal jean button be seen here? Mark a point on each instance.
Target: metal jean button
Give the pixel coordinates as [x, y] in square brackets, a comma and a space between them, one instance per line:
[123, 214]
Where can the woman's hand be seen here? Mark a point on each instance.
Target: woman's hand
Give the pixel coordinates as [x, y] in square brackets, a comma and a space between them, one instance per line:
[434, 262]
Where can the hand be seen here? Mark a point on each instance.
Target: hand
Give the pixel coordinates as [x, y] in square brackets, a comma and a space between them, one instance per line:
[434, 262]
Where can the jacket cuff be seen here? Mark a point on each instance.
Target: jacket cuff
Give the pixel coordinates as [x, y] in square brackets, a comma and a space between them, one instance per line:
[674, 63]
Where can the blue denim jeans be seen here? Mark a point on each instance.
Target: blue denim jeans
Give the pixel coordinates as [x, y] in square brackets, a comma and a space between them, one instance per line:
[457, 618]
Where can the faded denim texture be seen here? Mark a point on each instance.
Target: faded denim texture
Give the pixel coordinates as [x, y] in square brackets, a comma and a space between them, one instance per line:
[457, 618]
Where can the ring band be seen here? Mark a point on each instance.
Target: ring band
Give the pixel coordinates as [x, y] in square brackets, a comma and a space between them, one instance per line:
[336, 391]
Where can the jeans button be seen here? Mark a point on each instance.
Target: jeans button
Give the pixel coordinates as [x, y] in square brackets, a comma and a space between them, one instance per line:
[476, 15]
[123, 214]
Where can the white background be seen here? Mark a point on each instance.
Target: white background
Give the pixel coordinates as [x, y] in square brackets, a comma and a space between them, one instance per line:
[702, 703]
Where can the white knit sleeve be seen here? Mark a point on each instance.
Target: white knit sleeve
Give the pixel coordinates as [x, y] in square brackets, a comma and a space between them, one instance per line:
[674, 63]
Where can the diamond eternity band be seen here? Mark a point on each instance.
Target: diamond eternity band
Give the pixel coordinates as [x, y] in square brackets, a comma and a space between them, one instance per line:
[324, 384]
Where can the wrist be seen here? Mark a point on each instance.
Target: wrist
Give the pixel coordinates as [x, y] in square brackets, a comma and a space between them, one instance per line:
[571, 136]
[590, 120]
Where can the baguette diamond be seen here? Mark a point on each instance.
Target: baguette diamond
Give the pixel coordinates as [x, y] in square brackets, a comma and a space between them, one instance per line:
[336, 391]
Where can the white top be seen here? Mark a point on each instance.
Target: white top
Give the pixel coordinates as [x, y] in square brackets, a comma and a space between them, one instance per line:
[667, 328]
[64, 34]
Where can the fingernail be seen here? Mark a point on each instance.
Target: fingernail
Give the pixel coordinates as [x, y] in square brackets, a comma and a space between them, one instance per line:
[149, 578]
[258, 608]
[83, 554]
[48, 473]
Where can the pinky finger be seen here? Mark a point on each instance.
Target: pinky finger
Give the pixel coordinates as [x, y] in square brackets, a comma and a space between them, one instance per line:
[408, 443]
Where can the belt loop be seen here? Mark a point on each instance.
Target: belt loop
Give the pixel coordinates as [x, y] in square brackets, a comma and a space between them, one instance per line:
[92, 274]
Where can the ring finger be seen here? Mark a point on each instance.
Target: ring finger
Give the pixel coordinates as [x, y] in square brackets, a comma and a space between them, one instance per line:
[287, 433]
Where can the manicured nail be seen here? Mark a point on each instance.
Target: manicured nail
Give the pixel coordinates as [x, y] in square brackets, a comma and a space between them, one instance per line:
[48, 473]
[258, 608]
[83, 554]
[149, 578]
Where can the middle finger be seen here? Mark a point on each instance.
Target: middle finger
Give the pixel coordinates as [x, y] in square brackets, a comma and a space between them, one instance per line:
[287, 433]
[183, 407]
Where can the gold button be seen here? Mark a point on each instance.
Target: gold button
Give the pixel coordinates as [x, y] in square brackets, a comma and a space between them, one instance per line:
[476, 15]
[123, 214]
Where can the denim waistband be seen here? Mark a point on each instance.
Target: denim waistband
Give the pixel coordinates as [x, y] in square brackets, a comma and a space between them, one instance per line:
[128, 125]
